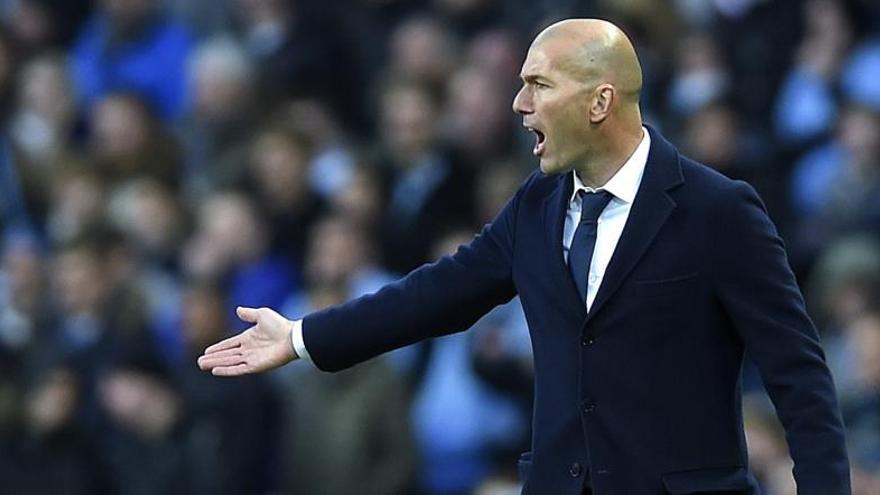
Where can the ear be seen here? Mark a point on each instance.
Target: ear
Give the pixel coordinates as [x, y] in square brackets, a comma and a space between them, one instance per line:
[601, 103]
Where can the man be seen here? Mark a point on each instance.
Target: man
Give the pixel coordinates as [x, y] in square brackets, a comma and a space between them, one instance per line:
[639, 313]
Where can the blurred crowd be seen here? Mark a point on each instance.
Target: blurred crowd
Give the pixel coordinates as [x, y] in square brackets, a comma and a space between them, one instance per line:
[164, 161]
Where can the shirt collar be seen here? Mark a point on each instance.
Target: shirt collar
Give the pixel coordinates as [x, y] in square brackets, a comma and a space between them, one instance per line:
[625, 182]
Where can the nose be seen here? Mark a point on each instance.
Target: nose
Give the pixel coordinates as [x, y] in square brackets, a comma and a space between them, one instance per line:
[522, 102]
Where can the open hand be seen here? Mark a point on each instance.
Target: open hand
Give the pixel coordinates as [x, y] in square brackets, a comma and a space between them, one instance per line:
[262, 347]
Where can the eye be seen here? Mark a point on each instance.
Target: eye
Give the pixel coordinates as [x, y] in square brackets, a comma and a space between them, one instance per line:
[541, 85]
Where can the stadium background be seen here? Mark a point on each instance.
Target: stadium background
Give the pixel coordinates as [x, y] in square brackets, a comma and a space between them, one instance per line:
[162, 162]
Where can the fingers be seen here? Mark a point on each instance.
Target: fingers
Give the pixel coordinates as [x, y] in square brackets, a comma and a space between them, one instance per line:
[230, 343]
[228, 357]
[247, 314]
[235, 351]
[236, 370]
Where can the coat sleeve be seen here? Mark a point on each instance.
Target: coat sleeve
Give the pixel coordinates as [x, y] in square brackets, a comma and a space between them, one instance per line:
[436, 299]
[760, 296]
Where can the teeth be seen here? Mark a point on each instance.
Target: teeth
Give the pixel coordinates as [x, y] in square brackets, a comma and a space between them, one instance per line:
[540, 138]
[532, 129]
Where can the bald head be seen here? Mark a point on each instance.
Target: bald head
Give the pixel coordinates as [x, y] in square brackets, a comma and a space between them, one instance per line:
[594, 52]
[580, 97]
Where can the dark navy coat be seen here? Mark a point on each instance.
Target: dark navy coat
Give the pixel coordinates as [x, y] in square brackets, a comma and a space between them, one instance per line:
[642, 396]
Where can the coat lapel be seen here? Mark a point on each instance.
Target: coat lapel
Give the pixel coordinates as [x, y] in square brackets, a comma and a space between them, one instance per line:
[651, 208]
[555, 209]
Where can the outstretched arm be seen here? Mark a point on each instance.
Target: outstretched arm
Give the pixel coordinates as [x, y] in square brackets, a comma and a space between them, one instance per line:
[443, 297]
[437, 299]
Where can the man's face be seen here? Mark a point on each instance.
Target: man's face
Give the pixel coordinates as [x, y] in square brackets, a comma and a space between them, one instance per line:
[407, 121]
[554, 107]
[335, 254]
[77, 281]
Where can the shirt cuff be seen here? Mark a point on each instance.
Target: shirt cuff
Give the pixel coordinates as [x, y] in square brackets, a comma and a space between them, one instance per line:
[296, 339]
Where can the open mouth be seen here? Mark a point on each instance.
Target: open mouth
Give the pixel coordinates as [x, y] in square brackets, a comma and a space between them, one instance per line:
[540, 141]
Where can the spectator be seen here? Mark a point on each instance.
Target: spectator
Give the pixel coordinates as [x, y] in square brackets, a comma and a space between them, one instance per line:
[806, 108]
[844, 282]
[427, 186]
[834, 186]
[98, 310]
[278, 172]
[714, 134]
[23, 317]
[301, 53]
[218, 126]
[32, 24]
[98, 307]
[127, 141]
[41, 137]
[861, 406]
[44, 122]
[361, 201]
[348, 431]
[149, 215]
[54, 453]
[231, 245]
[153, 224]
[143, 440]
[77, 202]
[758, 40]
[700, 77]
[863, 66]
[341, 265]
[477, 116]
[843, 286]
[458, 418]
[237, 443]
[131, 46]
[497, 51]
[422, 50]
[332, 159]
[39, 25]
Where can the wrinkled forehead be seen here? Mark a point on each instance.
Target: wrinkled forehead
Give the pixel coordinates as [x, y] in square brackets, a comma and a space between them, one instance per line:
[557, 55]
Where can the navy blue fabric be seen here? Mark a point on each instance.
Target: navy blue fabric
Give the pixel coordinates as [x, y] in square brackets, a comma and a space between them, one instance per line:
[580, 254]
[643, 394]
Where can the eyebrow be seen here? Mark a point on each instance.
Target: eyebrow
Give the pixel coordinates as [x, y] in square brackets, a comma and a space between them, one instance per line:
[533, 78]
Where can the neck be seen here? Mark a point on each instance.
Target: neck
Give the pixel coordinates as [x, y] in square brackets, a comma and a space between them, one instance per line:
[609, 157]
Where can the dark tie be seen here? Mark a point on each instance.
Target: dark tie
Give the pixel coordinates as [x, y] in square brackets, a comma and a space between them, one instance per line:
[580, 254]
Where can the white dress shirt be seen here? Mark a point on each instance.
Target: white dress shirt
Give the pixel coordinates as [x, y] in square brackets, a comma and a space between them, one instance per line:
[623, 186]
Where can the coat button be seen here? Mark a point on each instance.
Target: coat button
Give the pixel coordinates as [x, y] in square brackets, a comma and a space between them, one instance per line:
[575, 469]
[588, 408]
[588, 341]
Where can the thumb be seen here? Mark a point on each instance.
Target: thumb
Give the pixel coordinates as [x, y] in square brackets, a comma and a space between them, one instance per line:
[247, 314]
